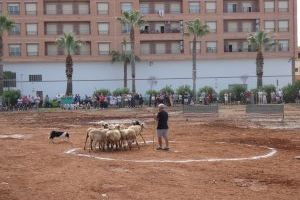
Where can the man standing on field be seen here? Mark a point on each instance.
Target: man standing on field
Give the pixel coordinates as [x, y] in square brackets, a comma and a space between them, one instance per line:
[162, 127]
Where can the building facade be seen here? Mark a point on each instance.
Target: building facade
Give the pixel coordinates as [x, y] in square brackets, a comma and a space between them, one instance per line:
[224, 56]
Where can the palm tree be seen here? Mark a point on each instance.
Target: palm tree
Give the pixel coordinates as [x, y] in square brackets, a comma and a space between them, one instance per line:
[259, 41]
[70, 44]
[5, 25]
[196, 29]
[126, 58]
[134, 20]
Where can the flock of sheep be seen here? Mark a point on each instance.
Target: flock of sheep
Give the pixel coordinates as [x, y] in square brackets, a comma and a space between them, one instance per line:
[114, 136]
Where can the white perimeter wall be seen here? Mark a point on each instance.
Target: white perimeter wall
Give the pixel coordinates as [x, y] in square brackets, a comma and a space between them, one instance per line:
[54, 80]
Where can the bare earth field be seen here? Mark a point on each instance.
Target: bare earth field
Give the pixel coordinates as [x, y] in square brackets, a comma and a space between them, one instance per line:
[31, 168]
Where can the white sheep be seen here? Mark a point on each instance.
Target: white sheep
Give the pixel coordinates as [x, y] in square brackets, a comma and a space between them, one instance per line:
[128, 135]
[113, 138]
[92, 135]
[138, 130]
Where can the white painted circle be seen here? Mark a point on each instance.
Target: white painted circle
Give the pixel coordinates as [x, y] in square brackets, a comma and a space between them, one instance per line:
[271, 152]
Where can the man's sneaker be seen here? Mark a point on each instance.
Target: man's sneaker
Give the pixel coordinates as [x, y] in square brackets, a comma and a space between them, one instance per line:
[166, 148]
[158, 148]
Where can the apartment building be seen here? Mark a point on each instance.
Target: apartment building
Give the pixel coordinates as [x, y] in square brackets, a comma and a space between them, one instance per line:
[224, 56]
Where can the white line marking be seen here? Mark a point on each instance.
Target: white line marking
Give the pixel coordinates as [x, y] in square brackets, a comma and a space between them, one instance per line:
[270, 153]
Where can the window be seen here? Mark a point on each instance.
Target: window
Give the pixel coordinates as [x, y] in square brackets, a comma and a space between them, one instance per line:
[145, 48]
[175, 47]
[198, 47]
[84, 28]
[270, 48]
[35, 78]
[103, 28]
[247, 27]
[9, 79]
[210, 7]
[194, 7]
[283, 45]
[175, 8]
[51, 9]
[247, 7]
[126, 47]
[232, 46]
[67, 9]
[270, 26]
[160, 48]
[0, 8]
[51, 29]
[83, 8]
[85, 49]
[232, 26]
[283, 6]
[231, 7]
[283, 26]
[159, 7]
[126, 7]
[31, 29]
[211, 47]
[144, 7]
[32, 49]
[30, 8]
[68, 28]
[52, 49]
[14, 49]
[126, 28]
[102, 8]
[13, 8]
[269, 6]
[104, 48]
[16, 30]
[212, 26]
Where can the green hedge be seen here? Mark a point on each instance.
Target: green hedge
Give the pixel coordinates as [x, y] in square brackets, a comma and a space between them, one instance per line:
[10, 97]
[102, 91]
[120, 91]
[290, 92]
[168, 90]
[184, 89]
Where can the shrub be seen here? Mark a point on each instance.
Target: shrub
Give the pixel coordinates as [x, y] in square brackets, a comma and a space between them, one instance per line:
[291, 91]
[167, 90]
[10, 97]
[237, 90]
[221, 94]
[120, 91]
[268, 89]
[102, 91]
[152, 92]
[207, 90]
[184, 89]
[54, 103]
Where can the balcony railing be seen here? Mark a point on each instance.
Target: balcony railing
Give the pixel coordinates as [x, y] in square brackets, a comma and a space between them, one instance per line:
[32, 13]
[31, 32]
[283, 48]
[15, 32]
[103, 32]
[33, 53]
[211, 49]
[60, 11]
[238, 49]
[103, 52]
[269, 9]
[240, 9]
[153, 31]
[15, 53]
[60, 32]
[283, 29]
[13, 12]
[283, 9]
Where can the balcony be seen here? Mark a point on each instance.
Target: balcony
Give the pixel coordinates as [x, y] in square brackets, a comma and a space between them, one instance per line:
[14, 53]
[160, 7]
[67, 8]
[82, 28]
[33, 53]
[161, 27]
[162, 47]
[240, 26]
[237, 46]
[240, 6]
[31, 32]
[211, 49]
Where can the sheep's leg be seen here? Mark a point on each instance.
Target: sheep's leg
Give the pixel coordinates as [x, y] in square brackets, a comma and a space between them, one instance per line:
[87, 135]
[137, 144]
[142, 137]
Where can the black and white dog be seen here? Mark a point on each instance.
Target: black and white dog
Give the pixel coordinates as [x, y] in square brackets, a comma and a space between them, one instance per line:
[58, 134]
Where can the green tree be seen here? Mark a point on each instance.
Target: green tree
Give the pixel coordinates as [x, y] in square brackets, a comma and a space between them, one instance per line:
[167, 89]
[70, 44]
[5, 25]
[259, 41]
[125, 57]
[134, 20]
[196, 29]
[184, 89]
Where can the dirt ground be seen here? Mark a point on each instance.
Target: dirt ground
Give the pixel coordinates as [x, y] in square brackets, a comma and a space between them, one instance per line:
[31, 168]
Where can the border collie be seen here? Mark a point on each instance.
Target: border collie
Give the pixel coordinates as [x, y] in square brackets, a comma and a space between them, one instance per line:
[58, 134]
